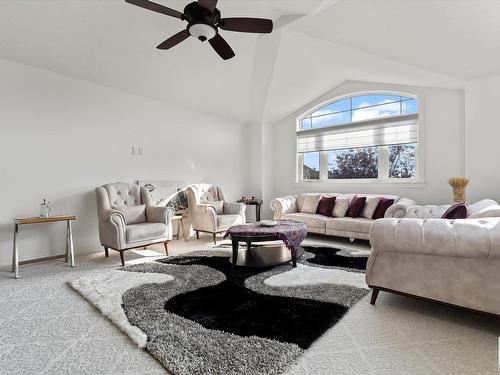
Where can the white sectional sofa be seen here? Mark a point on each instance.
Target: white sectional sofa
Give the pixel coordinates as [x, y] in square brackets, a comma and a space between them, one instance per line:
[290, 206]
[449, 261]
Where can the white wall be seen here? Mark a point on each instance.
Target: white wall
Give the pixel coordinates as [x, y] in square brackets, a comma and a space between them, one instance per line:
[61, 137]
[482, 134]
[442, 142]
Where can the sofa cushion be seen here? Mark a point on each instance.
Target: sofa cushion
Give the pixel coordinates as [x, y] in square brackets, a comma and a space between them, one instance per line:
[310, 204]
[311, 220]
[457, 211]
[225, 221]
[382, 207]
[370, 207]
[340, 207]
[133, 214]
[325, 206]
[145, 232]
[356, 206]
[349, 224]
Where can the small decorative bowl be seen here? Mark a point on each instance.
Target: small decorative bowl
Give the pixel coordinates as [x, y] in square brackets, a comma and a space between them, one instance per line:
[268, 223]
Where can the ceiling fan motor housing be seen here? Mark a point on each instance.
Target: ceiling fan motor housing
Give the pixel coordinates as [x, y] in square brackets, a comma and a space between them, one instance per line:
[202, 24]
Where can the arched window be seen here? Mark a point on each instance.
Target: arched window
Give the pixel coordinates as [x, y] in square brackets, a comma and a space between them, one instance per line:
[362, 136]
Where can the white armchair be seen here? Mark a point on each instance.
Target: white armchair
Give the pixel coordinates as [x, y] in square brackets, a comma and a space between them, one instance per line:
[129, 220]
[210, 212]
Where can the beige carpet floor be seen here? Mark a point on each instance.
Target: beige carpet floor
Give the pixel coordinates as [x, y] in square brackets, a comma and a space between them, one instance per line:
[47, 328]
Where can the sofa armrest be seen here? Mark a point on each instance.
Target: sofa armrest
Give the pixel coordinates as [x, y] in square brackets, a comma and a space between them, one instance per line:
[234, 208]
[205, 217]
[283, 205]
[158, 214]
[114, 216]
[112, 229]
[397, 210]
[467, 238]
[407, 201]
[426, 212]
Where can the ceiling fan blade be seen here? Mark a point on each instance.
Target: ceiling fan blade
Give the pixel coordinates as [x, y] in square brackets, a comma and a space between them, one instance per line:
[149, 5]
[221, 47]
[174, 40]
[246, 25]
[208, 4]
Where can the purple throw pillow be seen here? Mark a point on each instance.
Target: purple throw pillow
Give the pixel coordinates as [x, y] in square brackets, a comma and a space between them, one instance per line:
[383, 205]
[356, 206]
[325, 206]
[457, 211]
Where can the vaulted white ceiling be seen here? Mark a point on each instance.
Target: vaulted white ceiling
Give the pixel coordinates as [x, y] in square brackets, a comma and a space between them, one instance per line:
[316, 45]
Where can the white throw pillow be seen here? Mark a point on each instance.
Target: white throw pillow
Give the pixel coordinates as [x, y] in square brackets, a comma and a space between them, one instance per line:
[310, 204]
[219, 206]
[341, 206]
[479, 206]
[491, 211]
[370, 207]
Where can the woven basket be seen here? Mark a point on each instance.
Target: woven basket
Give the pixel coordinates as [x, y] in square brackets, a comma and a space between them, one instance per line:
[458, 185]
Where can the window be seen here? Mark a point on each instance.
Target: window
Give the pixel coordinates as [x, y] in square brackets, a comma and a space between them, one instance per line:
[368, 136]
[310, 166]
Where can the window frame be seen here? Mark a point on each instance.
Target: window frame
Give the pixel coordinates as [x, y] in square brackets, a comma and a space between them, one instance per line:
[383, 162]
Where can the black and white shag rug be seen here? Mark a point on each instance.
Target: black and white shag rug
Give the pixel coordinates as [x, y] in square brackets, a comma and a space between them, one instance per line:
[195, 317]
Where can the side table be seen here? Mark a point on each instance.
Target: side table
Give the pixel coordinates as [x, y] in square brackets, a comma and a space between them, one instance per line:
[42, 220]
[253, 202]
[180, 226]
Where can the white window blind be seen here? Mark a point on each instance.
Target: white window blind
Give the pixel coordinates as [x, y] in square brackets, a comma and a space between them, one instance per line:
[378, 132]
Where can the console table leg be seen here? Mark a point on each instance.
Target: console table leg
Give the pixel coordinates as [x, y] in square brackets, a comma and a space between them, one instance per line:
[70, 243]
[257, 212]
[66, 254]
[15, 253]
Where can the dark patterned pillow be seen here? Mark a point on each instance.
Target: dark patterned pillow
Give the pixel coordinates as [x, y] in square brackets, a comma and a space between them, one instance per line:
[325, 206]
[382, 207]
[457, 211]
[356, 206]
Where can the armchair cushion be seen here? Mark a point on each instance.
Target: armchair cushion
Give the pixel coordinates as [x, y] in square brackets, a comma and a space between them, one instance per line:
[133, 214]
[234, 208]
[226, 221]
[145, 232]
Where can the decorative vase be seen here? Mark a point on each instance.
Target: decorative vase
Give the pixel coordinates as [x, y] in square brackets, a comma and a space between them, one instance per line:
[458, 185]
[45, 208]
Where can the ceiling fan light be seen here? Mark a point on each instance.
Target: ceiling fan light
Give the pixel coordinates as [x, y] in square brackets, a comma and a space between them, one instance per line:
[202, 31]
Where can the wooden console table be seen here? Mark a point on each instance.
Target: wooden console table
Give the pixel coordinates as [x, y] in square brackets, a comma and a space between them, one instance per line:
[253, 202]
[42, 220]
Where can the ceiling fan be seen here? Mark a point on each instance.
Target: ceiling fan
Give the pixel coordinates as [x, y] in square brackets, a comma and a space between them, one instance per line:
[204, 21]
